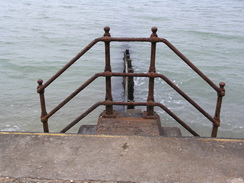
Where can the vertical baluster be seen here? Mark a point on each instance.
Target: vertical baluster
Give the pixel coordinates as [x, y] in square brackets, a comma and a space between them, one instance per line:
[43, 107]
[152, 69]
[218, 108]
[109, 108]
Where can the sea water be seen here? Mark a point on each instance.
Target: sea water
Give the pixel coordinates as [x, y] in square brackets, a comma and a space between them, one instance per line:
[40, 37]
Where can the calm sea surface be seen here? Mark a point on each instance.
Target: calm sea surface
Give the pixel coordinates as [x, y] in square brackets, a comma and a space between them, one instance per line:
[40, 37]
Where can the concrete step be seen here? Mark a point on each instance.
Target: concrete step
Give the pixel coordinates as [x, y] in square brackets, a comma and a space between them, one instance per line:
[166, 131]
[131, 122]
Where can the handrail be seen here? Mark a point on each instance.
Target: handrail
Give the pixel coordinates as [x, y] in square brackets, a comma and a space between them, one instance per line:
[81, 116]
[177, 89]
[72, 96]
[188, 62]
[151, 75]
[174, 49]
[71, 62]
[89, 81]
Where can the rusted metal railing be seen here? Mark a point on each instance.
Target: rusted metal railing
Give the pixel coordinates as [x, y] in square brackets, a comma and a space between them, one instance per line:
[150, 104]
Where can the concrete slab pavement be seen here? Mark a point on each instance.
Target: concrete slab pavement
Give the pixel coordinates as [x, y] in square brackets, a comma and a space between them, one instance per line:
[100, 158]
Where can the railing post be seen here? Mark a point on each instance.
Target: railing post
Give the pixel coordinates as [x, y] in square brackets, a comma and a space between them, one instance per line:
[152, 69]
[43, 106]
[109, 108]
[218, 108]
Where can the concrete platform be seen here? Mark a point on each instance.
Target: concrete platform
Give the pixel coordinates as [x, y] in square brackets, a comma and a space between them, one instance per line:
[99, 158]
[130, 122]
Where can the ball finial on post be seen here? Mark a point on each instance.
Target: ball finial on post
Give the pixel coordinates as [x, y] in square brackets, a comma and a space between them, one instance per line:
[154, 32]
[222, 92]
[222, 84]
[106, 30]
[40, 81]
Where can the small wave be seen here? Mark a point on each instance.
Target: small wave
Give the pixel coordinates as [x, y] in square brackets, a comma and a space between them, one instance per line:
[67, 6]
[10, 128]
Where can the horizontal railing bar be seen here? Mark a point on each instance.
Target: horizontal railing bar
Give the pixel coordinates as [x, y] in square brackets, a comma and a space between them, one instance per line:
[125, 103]
[130, 74]
[190, 64]
[125, 39]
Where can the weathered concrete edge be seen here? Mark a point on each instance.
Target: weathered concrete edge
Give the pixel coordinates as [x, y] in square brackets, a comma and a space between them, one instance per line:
[116, 136]
[32, 180]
